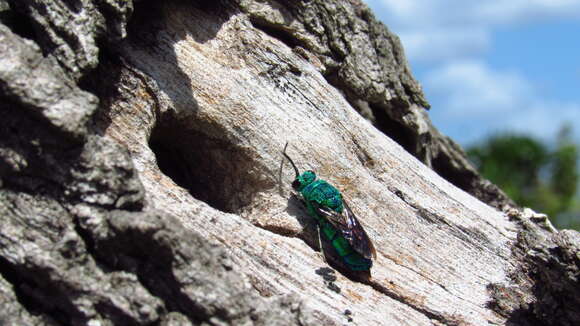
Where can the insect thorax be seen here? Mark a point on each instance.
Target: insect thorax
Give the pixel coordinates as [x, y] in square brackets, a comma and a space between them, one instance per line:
[323, 193]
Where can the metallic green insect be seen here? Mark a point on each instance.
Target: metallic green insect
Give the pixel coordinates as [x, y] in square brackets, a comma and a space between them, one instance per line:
[335, 219]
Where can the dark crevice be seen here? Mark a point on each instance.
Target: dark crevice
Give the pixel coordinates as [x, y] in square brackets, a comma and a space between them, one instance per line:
[103, 80]
[378, 115]
[39, 298]
[158, 278]
[193, 171]
[467, 180]
[31, 138]
[22, 126]
[463, 179]
[211, 169]
[394, 129]
[73, 5]
[116, 315]
[105, 83]
[147, 24]
[90, 246]
[12, 276]
[276, 31]
[152, 262]
[47, 41]
[31, 184]
[18, 23]
[504, 297]
[39, 33]
[219, 8]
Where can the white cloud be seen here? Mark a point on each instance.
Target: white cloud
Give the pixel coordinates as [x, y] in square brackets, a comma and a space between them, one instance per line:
[438, 44]
[420, 13]
[470, 98]
[450, 29]
[522, 11]
[545, 118]
[472, 89]
[474, 95]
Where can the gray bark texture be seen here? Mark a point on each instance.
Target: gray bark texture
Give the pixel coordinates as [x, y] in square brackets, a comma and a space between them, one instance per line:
[142, 180]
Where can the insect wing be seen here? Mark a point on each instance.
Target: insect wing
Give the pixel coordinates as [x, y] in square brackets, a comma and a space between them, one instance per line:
[335, 218]
[360, 239]
[351, 229]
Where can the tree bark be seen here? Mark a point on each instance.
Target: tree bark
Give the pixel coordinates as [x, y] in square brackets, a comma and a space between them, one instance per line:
[142, 179]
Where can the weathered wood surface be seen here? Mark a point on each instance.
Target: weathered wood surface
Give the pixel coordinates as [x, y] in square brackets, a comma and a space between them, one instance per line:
[196, 104]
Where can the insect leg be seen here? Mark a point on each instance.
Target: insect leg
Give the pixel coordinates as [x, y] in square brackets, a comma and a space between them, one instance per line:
[320, 244]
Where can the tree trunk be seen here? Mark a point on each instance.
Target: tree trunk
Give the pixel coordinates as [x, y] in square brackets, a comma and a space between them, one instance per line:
[143, 182]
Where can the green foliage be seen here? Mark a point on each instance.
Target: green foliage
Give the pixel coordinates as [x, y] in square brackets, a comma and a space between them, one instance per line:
[532, 174]
[564, 179]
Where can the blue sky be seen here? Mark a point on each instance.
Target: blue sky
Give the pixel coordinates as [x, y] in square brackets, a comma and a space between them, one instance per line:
[494, 65]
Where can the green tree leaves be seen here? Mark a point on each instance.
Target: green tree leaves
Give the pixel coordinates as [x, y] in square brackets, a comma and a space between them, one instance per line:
[533, 174]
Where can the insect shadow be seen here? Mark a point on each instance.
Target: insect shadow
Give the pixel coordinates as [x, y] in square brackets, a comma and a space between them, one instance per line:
[297, 209]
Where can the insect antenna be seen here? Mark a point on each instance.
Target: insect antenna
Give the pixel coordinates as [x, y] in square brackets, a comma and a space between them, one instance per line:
[291, 162]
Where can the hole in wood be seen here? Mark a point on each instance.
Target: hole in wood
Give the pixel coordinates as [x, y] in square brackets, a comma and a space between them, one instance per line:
[212, 170]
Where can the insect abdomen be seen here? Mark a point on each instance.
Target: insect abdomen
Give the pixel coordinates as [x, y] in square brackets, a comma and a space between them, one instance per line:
[350, 257]
[324, 193]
